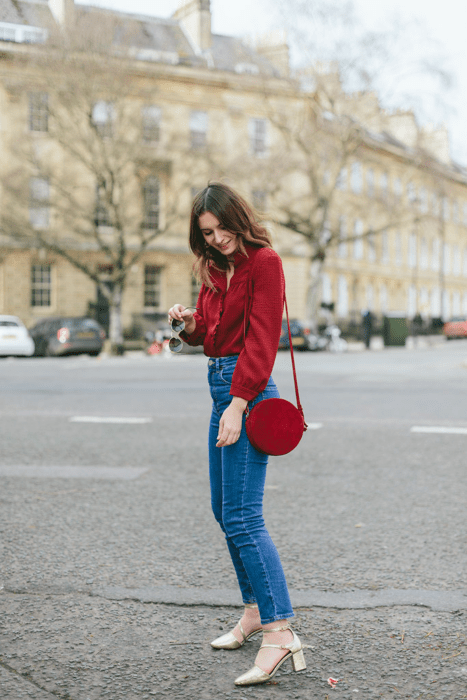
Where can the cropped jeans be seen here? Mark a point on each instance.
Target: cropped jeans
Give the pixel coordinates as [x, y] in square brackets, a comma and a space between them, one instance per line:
[237, 474]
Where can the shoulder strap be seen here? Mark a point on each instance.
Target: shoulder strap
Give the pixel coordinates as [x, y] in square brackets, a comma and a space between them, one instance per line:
[297, 396]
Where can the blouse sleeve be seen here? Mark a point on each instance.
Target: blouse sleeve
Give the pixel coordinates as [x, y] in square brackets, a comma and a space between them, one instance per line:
[256, 360]
[199, 334]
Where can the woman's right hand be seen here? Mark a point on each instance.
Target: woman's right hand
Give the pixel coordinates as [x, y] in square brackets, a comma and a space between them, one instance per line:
[181, 313]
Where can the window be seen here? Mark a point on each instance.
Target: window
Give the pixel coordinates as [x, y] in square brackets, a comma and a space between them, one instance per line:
[259, 200]
[424, 253]
[326, 289]
[198, 130]
[38, 111]
[371, 247]
[435, 254]
[370, 297]
[358, 242]
[342, 249]
[445, 209]
[356, 177]
[446, 305]
[152, 286]
[446, 259]
[412, 301]
[370, 182]
[150, 123]
[456, 304]
[341, 182]
[397, 188]
[412, 251]
[385, 247]
[342, 297]
[411, 193]
[195, 287]
[456, 261]
[103, 118]
[258, 136]
[423, 200]
[101, 213]
[39, 193]
[464, 303]
[151, 200]
[383, 185]
[435, 303]
[41, 285]
[455, 212]
[435, 204]
[383, 299]
[398, 248]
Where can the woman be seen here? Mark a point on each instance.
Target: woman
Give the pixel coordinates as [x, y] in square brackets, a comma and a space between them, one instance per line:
[238, 321]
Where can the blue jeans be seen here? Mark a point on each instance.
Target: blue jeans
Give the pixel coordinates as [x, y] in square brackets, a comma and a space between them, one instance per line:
[238, 473]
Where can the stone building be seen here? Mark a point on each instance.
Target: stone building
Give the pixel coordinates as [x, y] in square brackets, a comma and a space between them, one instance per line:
[198, 106]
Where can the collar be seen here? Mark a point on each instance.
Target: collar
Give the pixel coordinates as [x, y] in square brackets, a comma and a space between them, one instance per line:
[240, 258]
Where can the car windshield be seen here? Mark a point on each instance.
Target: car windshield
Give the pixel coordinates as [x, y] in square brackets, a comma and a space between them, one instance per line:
[75, 324]
[9, 324]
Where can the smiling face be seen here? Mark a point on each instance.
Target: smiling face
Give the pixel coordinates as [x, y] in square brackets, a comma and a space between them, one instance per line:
[216, 235]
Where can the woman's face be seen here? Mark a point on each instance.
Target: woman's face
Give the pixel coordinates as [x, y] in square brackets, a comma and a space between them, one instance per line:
[216, 235]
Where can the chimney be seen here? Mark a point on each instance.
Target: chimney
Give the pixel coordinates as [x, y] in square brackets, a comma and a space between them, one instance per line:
[274, 47]
[63, 11]
[195, 19]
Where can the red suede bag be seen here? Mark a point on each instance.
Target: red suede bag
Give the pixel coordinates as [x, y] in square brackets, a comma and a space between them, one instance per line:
[276, 426]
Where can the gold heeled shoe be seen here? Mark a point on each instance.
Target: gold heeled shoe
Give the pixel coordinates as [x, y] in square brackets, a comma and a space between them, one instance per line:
[256, 675]
[229, 641]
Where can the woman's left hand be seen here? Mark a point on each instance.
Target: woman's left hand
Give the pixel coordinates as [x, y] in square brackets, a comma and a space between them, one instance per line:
[230, 425]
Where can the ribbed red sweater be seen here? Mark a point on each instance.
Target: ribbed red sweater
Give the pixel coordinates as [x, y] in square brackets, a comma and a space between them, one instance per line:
[220, 318]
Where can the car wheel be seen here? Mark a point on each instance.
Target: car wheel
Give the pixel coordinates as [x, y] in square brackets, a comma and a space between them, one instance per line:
[47, 351]
[94, 353]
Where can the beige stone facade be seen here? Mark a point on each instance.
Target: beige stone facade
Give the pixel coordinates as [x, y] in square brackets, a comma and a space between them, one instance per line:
[201, 100]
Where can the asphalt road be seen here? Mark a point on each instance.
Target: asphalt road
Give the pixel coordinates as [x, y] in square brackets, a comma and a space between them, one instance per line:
[115, 576]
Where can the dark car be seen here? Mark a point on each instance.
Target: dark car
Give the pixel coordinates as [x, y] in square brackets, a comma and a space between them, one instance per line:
[67, 336]
[299, 333]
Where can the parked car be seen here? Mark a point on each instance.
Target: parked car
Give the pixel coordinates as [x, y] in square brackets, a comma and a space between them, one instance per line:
[68, 336]
[456, 328]
[299, 333]
[14, 338]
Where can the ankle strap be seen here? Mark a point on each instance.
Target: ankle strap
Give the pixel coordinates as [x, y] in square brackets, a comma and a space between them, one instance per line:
[251, 605]
[276, 629]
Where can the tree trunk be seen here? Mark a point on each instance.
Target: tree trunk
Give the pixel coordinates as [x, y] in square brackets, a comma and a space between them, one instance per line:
[313, 295]
[115, 327]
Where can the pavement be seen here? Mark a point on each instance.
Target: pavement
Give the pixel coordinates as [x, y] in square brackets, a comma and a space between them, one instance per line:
[114, 577]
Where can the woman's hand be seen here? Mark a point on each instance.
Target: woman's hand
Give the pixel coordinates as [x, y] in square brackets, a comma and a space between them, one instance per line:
[179, 312]
[230, 425]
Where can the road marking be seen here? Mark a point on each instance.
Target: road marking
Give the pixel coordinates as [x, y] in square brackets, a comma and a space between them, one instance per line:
[109, 419]
[314, 426]
[440, 430]
[68, 472]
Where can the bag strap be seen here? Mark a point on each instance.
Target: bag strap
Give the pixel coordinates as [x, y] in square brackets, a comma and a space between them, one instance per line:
[299, 405]
[297, 396]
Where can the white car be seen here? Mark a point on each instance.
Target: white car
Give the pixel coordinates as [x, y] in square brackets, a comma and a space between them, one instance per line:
[14, 337]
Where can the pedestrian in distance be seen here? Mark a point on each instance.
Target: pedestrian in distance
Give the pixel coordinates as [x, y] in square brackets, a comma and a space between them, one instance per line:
[238, 321]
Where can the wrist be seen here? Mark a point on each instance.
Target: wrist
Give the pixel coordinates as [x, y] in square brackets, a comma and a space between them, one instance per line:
[190, 327]
[239, 403]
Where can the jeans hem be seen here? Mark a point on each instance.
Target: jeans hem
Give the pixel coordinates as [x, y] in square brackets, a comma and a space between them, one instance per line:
[285, 616]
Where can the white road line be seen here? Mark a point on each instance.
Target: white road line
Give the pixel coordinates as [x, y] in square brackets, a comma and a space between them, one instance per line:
[314, 426]
[72, 472]
[109, 419]
[440, 430]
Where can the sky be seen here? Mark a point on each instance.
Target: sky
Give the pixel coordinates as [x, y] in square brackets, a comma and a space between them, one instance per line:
[444, 23]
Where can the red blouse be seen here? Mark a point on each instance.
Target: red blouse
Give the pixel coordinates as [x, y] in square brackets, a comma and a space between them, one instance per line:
[220, 318]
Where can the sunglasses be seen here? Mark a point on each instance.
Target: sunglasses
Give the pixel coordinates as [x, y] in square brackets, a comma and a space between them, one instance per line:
[176, 343]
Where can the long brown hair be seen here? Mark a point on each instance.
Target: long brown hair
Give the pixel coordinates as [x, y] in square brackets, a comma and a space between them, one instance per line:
[235, 215]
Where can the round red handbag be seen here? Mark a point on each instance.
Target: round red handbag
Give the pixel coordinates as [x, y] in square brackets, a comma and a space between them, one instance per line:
[276, 426]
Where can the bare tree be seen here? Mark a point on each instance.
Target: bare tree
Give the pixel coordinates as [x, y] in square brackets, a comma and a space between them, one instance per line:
[312, 168]
[90, 191]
